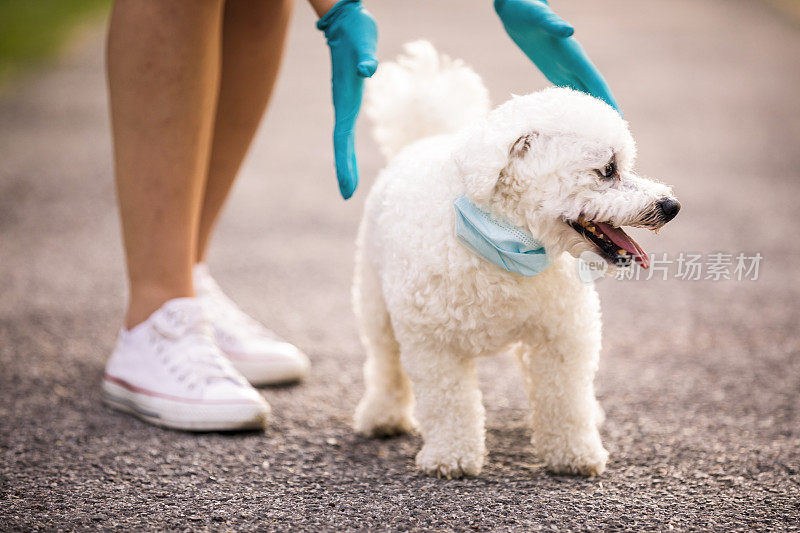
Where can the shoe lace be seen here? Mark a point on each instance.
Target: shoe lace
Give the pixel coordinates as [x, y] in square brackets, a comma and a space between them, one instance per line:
[187, 349]
[227, 312]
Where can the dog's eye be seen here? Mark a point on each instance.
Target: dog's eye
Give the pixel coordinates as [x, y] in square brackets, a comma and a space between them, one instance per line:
[609, 171]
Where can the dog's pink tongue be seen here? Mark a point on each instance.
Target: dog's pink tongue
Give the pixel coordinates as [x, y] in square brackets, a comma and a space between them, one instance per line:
[621, 239]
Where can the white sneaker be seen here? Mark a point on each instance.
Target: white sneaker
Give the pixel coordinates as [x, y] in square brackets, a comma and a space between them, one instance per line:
[258, 353]
[168, 371]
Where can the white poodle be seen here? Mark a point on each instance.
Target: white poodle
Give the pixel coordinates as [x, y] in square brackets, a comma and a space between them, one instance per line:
[557, 164]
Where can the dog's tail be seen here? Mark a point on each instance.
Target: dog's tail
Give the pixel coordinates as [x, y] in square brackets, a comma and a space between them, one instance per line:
[420, 95]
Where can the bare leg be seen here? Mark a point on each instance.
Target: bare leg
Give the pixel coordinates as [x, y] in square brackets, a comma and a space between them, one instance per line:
[387, 405]
[450, 412]
[163, 74]
[559, 369]
[253, 37]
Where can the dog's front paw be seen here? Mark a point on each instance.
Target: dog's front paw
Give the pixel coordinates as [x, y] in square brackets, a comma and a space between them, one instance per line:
[375, 419]
[449, 464]
[580, 467]
[575, 456]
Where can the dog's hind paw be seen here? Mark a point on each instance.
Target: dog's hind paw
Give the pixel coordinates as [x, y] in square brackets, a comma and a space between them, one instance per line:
[576, 453]
[372, 422]
[590, 462]
[450, 465]
[585, 469]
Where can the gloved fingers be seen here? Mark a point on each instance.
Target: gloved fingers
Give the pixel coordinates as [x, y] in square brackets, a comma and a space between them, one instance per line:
[553, 24]
[352, 36]
[594, 84]
[584, 75]
[366, 67]
[579, 85]
[346, 165]
[573, 83]
[366, 56]
[534, 13]
[348, 90]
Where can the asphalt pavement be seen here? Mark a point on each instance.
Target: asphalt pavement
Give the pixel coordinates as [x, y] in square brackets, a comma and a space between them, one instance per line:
[700, 379]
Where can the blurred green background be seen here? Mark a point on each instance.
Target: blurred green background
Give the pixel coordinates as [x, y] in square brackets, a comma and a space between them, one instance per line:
[32, 31]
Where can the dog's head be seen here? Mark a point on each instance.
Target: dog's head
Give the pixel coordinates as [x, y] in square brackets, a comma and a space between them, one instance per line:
[560, 163]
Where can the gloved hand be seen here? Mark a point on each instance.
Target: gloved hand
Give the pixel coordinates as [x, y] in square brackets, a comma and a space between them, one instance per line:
[547, 40]
[352, 37]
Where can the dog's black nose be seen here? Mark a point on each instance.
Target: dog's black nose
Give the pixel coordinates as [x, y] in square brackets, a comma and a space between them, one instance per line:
[670, 208]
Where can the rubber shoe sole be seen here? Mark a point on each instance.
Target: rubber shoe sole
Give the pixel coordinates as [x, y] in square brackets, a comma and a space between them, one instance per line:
[259, 372]
[186, 415]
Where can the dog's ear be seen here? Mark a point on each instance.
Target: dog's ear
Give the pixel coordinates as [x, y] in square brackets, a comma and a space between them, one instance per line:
[482, 156]
[522, 145]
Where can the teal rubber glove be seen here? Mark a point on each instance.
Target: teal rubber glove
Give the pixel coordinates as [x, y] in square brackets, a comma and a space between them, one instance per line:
[547, 40]
[352, 37]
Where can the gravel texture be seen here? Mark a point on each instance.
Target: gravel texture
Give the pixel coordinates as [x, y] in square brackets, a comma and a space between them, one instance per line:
[700, 379]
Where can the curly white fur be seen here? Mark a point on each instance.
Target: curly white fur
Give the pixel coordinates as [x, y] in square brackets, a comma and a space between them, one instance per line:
[427, 307]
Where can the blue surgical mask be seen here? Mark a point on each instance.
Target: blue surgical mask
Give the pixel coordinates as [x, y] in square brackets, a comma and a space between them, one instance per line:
[509, 247]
